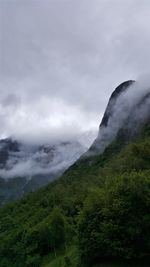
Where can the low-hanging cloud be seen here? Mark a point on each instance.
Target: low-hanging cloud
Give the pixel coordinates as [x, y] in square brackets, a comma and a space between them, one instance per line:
[50, 160]
[60, 60]
[130, 110]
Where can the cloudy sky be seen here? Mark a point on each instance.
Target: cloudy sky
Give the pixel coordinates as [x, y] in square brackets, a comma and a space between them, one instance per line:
[61, 59]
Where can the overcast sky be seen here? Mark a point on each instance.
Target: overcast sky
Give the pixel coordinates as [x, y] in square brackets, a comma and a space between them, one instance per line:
[61, 59]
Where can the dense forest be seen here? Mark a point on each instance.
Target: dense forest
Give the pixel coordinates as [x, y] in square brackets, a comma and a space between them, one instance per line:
[98, 210]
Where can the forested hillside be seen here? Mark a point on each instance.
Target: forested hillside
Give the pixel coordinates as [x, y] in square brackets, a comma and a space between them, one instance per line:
[99, 209]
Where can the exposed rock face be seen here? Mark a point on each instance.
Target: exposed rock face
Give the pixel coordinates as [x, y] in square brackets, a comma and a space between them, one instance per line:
[112, 101]
[127, 111]
[7, 145]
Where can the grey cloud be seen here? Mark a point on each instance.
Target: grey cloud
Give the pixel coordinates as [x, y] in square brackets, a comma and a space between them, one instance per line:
[10, 100]
[35, 160]
[62, 59]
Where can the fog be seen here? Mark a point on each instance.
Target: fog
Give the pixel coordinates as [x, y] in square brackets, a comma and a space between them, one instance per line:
[51, 160]
[129, 111]
[61, 59]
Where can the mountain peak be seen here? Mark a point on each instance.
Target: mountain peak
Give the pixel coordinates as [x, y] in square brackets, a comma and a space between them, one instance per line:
[113, 98]
[127, 111]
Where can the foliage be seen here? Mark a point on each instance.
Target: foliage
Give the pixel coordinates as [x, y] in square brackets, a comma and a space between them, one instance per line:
[108, 194]
[115, 221]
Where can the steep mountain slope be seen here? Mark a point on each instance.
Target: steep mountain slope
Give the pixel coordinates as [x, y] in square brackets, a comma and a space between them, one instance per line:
[100, 206]
[26, 167]
[127, 111]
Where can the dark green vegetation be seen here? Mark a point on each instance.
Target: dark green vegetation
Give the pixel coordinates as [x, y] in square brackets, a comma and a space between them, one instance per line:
[99, 209]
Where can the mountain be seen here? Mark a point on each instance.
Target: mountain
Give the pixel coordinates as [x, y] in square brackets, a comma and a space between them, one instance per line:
[25, 167]
[98, 211]
[127, 111]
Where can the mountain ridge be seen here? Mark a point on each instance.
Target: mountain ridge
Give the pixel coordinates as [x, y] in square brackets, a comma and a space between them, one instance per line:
[131, 122]
[100, 206]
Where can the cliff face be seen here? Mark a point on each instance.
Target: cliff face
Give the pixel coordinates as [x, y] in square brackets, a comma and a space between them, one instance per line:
[127, 111]
[112, 101]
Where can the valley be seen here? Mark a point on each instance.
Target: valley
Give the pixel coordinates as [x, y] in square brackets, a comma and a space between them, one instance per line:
[97, 210]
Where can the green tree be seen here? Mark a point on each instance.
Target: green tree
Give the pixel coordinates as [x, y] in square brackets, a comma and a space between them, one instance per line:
[116, 221]
[57, 229]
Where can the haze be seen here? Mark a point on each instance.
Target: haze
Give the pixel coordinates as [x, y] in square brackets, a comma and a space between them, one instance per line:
[60, 60]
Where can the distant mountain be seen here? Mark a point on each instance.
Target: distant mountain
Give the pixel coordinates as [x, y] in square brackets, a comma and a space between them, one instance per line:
[24, 167]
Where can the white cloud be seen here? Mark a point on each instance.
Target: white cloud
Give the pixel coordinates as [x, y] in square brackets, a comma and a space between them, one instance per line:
[60, 60]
